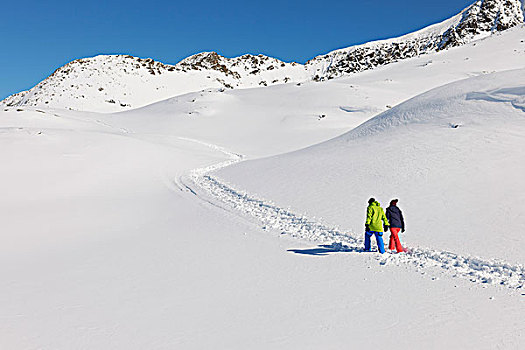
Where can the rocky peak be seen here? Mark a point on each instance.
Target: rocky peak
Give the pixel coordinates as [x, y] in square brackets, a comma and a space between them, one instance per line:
[480, 19]
[235, 67]
[207, 61]
[483, 17]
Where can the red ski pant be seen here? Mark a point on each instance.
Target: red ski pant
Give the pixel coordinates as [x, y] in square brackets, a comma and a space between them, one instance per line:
[395, 243]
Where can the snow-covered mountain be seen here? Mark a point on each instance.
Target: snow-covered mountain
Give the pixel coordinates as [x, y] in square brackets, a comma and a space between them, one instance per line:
[479, 20]
[178, 225]
[246, 70]
[115, 233]
[110, 83]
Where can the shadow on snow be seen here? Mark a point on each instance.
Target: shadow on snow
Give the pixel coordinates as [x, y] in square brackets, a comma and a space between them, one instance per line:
[325, 249]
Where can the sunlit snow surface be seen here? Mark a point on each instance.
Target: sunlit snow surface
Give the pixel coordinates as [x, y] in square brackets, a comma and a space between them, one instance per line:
[118, 233]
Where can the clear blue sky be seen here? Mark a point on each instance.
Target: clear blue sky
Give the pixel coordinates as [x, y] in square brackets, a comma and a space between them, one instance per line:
[40, 36]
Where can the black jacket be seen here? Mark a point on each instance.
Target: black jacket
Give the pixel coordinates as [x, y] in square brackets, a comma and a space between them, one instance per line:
[395, 217]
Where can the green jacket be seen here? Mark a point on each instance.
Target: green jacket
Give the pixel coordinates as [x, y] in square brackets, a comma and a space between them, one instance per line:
[375, 217]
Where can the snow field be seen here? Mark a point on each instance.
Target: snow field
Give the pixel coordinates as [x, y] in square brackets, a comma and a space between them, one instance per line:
[108, 253]
[453, 159]
[272, 217]
[106, 244]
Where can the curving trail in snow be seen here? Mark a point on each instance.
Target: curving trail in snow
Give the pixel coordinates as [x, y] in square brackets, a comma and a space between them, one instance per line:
[273, 217]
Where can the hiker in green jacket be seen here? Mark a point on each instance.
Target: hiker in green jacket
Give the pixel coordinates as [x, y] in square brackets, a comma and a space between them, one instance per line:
[376, 221]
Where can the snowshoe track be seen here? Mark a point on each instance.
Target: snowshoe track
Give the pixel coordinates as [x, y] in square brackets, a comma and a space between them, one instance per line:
[273, 217]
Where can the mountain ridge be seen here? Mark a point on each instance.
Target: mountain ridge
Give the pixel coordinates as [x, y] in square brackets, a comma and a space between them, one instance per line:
[109, 83]
[478, 20]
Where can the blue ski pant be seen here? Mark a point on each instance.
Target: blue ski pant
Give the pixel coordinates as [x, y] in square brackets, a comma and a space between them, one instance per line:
[379, 239]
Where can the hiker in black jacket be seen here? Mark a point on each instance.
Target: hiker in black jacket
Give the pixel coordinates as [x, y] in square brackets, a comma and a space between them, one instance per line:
[395, 217]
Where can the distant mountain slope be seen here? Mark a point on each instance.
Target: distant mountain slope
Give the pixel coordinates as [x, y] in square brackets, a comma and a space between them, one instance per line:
[477, 21]
[109, 83]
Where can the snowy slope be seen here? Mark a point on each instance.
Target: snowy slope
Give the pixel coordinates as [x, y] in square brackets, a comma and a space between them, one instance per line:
[476, 21]
[267, 121]
[118, 82]
[103, 247]
[111, 239]
[452, 155]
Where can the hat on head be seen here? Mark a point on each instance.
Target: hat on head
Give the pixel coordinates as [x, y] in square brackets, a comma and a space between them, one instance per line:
[394, 201]
[371, 200]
